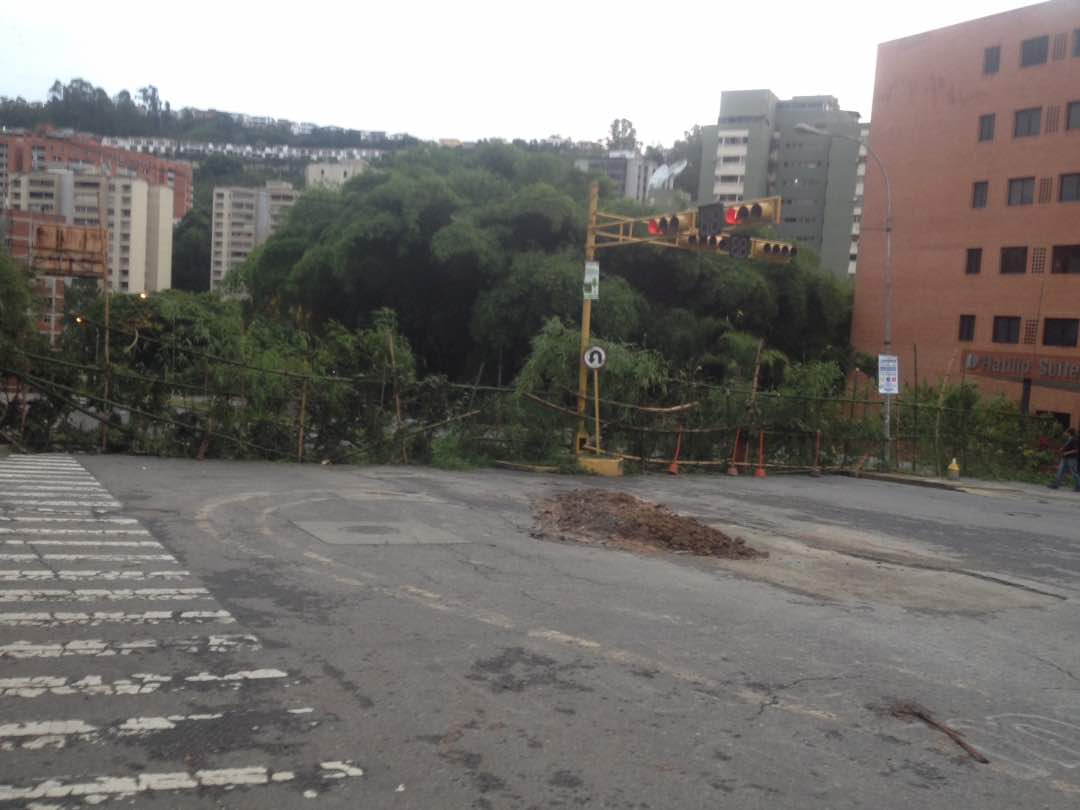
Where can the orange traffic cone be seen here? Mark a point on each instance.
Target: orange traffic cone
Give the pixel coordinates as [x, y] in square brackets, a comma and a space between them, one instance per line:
[760, 471]
[673, 467]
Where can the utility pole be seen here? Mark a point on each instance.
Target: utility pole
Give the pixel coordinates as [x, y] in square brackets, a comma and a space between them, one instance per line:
[586, 322]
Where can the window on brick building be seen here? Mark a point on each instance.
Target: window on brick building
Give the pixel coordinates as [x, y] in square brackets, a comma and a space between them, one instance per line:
[967, 328]
[979, 192]
[1069, 188]
[1034, 51]
[1065, 259]
[991, 59]
[1021, 191]
[974, 261]
[1028, 122]
[1076, 42]
[1006, 329]
[986, 127]
[1060, 331]
[1072, 115]
[1014, 259]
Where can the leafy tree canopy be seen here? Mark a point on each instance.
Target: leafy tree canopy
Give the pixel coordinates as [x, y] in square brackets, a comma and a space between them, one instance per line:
[476, 249]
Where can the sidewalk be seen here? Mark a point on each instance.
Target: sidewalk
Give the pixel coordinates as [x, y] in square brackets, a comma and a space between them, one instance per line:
[974, 485]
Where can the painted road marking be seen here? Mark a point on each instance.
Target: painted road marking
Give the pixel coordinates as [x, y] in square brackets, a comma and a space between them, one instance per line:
[32, 502]
[103, 594]
[108, 557]
[7, 575]
[122, 543]
[44, 483]
[101, 787]
[4, 557]
[46, 519]
[47, 512]
[140, 683]
[22, 530]
[118, 543]
[58, 733]
[57, 618]
[100, 647]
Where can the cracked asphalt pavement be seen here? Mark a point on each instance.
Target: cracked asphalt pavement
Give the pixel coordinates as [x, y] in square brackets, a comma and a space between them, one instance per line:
[404, 641]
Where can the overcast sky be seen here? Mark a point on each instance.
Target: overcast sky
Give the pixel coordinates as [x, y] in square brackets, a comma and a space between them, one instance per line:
[469, 69]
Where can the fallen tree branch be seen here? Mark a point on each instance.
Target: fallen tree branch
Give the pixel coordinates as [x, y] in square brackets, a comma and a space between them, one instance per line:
[910, 710]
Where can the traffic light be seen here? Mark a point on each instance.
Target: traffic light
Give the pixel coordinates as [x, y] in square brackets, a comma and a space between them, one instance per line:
[669, 224]
[735, 245]
[770, 250]
[710, 219]
[753, 212]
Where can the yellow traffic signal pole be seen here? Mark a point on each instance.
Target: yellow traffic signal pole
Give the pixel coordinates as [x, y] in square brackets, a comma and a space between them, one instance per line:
[678, 231]
[586, 322]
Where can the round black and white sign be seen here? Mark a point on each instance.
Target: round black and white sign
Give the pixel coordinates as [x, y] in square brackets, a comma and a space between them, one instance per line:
[595, 357]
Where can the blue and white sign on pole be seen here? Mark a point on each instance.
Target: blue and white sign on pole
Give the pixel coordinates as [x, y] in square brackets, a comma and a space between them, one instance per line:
[888, 374]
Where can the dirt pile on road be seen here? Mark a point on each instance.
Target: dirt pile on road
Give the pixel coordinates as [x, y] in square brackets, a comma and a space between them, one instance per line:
[623, 521]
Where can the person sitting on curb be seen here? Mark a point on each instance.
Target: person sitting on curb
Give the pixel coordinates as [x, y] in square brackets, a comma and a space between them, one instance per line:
[1069, 453]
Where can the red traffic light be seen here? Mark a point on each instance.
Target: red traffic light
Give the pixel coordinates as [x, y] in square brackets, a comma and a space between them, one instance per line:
[660, 226]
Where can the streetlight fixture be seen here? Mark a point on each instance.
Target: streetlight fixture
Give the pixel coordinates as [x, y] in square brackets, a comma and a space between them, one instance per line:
[810, 129]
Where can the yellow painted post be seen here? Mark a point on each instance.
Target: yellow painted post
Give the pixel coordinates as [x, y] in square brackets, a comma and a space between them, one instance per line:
[596, 404]
[586, 321]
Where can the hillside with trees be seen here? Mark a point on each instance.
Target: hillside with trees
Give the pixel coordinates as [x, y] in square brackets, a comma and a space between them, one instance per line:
[81, 106]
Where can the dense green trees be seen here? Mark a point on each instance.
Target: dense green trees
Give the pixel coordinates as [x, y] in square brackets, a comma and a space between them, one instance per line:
[475, 250]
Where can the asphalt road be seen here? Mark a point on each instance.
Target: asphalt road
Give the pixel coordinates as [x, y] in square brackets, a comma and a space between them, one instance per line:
[178, 634]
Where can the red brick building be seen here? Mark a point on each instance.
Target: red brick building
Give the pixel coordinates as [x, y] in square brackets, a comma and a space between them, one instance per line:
[978, 126]
[34, 152]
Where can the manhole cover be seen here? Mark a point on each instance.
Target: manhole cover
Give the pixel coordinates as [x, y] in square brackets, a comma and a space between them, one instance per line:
[405, 532]
[371, 529]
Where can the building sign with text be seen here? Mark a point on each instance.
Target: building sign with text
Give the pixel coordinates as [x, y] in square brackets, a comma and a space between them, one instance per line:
[1034, 367]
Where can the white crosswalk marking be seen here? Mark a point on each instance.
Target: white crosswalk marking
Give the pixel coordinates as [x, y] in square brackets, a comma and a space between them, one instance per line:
[41, 502]
[103, 594]
[36, 542]
[39, 574]
[142, 683]
[35, 531]
[56, 618]
[60, 527]
[49, 519]
[103, 648]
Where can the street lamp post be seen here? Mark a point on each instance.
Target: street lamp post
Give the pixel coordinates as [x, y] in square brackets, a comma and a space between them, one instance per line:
[810, 129]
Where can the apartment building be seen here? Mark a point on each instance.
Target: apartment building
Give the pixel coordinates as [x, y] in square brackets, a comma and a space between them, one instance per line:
[25, 152]
[978, 126]
[755, 150]
[333, 174]
[629, 171]
[244, 218]
[136, 217]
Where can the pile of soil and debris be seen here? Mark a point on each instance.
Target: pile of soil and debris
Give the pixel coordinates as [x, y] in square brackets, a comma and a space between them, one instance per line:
[623, 521]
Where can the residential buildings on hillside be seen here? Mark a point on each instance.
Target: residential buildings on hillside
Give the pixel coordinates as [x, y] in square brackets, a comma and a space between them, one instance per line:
[332, 174]
[171, 147]
[978, 125]
[244, 218]
[755, 150]
[36, 152]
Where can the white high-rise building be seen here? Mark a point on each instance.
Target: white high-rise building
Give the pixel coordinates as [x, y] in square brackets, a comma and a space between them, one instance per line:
[243, 219]
[137, 216]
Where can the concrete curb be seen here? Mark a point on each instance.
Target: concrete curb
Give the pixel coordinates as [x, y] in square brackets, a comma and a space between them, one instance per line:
[910, 480]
